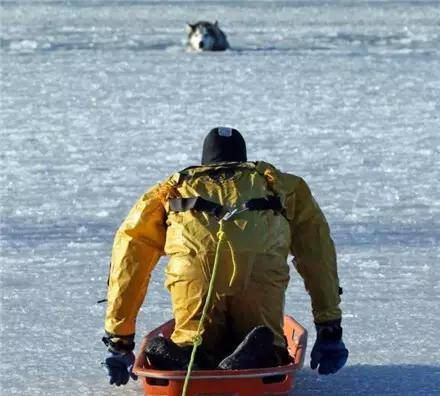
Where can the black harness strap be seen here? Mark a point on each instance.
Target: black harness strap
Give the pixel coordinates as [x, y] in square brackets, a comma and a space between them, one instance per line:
[197, 203]
[203, 205]
[269, 202]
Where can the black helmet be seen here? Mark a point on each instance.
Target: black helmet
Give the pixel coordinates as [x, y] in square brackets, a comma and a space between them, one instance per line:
[223, 145]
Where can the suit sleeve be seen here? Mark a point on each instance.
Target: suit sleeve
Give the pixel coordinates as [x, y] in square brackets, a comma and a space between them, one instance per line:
[314, 252]
[137, 247]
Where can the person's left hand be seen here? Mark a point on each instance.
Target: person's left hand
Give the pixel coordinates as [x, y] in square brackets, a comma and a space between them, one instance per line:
[329, 351]
[119, 367]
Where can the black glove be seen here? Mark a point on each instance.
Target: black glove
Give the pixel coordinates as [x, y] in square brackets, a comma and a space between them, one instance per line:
[119, 360]
[329, 351]
[119, 367]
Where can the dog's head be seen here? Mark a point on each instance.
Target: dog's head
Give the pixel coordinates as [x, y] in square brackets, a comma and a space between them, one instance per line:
[202, 36]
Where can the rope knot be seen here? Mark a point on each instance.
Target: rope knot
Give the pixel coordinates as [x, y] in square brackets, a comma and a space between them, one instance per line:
[220, 235]
[197, 340]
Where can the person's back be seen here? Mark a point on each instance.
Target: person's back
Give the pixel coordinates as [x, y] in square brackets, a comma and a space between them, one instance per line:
[231, 185]
[253, 272]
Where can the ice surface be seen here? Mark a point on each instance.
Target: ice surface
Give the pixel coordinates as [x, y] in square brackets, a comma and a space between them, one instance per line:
[99, 100]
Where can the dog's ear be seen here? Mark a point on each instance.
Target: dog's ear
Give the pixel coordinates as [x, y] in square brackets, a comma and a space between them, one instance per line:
[216, 23]
[190, 28]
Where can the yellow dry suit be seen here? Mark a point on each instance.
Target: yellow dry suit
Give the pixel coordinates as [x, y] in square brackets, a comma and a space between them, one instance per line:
[253, 274]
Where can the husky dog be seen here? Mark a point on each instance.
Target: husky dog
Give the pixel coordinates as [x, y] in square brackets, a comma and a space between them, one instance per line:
[206, 36]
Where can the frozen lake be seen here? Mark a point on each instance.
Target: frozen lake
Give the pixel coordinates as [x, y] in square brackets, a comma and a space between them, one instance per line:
[99, 100]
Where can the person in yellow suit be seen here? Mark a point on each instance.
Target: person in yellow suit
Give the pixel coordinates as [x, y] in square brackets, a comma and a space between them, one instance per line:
[270, 214]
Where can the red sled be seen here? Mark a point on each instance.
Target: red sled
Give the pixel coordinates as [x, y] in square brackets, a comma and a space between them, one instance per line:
[271, 381]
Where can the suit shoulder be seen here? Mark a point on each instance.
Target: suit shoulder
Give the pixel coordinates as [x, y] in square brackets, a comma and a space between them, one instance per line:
[284, 180]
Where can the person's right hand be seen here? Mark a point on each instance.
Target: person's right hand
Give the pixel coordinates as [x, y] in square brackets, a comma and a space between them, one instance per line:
[329, 352]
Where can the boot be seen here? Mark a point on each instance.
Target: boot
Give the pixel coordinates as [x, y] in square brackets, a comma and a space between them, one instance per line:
[164, 354]
[256, 351]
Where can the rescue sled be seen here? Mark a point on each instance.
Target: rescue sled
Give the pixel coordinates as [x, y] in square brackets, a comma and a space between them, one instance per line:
[256, 382]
